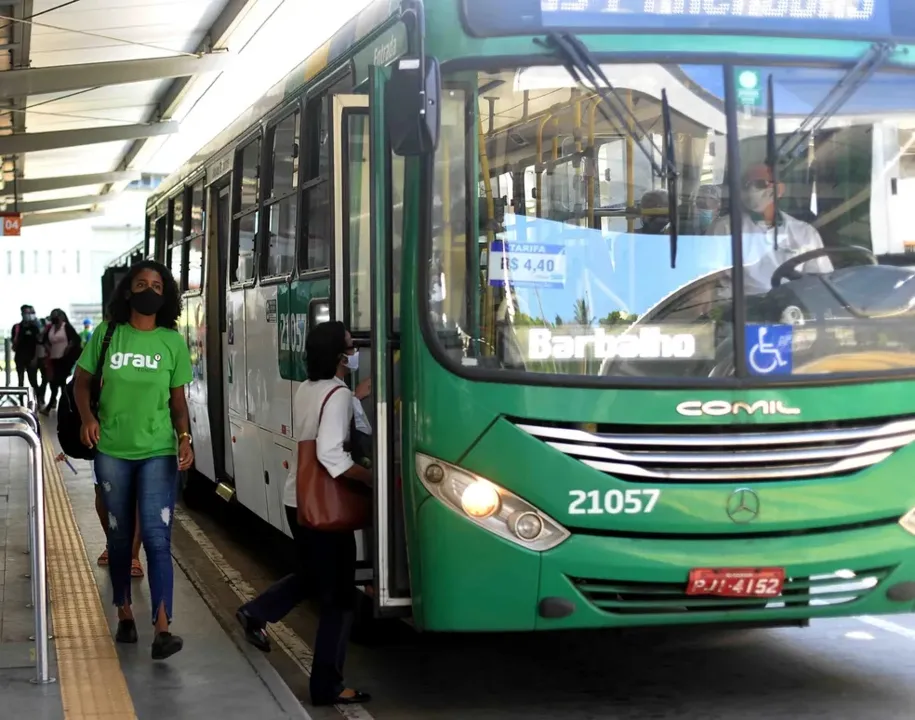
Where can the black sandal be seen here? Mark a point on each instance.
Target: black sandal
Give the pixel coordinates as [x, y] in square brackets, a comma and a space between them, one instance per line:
[254, 633]
[357, 698]
[127, 631]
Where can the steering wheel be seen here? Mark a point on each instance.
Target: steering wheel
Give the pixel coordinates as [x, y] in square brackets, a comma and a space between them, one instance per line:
[788, 269]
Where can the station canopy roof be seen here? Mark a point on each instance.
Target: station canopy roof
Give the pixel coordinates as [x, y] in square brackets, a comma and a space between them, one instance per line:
[88, 87]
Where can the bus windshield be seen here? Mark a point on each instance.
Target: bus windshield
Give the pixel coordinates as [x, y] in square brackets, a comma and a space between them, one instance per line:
[558, 258]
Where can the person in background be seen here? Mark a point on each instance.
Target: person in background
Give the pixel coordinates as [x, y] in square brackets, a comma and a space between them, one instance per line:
[142, 437]
[323, 410]
[63, 346]
[41, 360]
[87, 331]
[708, 207]
[655, 213]
[26, 334]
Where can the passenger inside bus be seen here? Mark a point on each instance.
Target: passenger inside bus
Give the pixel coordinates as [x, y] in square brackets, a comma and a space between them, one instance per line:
[655, 213]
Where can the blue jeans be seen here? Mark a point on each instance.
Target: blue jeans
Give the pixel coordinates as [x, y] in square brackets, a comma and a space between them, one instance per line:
[151, 487]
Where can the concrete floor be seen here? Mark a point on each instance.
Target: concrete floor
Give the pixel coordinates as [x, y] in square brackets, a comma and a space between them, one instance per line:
[213, 676]
[216, 675]
[20, 697]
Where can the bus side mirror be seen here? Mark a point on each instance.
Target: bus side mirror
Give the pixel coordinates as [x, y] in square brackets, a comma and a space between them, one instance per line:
[411, 131]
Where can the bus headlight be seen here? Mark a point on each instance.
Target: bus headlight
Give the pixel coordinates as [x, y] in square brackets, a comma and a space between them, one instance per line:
[488, 505]
[480, 499]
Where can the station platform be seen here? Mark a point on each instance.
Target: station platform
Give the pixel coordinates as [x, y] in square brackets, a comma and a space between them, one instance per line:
[216, 675]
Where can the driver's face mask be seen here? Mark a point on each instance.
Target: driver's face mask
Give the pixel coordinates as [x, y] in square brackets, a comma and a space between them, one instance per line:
[758, 195]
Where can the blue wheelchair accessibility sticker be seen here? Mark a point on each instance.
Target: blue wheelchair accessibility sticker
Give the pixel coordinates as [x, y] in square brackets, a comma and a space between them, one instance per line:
[769, 349]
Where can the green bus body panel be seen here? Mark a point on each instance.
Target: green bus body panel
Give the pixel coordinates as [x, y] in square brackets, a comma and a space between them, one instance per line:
[665, 561]
[473, 580]
[455, 411]
[544, 477]
[292, 301]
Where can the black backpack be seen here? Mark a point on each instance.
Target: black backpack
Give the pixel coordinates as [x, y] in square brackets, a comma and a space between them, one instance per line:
[69, 423]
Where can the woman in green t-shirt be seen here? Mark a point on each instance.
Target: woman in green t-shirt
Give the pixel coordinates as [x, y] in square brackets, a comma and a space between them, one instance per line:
[141, 435]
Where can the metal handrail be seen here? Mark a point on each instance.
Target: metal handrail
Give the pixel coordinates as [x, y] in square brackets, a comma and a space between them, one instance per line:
[17, 426]
[26, 396]
[21, 413]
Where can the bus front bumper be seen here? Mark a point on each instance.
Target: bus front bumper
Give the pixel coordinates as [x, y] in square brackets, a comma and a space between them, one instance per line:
[475, 581]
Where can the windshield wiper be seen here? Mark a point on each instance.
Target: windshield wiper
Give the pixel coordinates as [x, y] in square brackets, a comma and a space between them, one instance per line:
[673, 184]
[579, 63]
[841, 92]
[772, 153]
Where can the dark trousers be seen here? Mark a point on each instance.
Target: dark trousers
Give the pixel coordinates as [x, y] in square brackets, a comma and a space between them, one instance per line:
[28, 368]
[327, 563]
[60, 371]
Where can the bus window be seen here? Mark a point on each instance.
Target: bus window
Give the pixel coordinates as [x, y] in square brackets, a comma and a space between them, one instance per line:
[194, 250]
[197, 208]
[245, 220]
[397, 193]
[315, 238]
[176, 265]
[150, 249]
[177, 231]
[568, 247]
[157, 251]
[250, 166]
[281, 237]
[359, 228]
[195, 263]
[836, 193]
[285, 156]
[282, 207]
[177, 224]
[245, 231]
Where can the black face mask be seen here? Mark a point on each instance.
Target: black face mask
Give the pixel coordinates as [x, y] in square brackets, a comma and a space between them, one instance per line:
[147, 302]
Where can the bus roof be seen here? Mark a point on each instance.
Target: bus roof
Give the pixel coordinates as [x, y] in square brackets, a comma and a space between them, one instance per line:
[358, 29]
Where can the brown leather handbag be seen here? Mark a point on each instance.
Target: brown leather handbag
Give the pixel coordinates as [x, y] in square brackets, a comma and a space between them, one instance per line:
[327, 503]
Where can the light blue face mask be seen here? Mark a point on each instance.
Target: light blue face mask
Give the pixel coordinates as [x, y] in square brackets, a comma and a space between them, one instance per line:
[706, 217]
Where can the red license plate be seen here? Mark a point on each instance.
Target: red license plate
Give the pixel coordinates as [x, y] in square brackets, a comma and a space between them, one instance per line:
[736, 582]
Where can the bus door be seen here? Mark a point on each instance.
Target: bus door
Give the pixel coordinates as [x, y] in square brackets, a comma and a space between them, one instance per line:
[363, 299]
[217, 335]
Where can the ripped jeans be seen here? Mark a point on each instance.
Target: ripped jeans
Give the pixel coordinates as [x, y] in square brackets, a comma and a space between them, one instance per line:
[147, 488]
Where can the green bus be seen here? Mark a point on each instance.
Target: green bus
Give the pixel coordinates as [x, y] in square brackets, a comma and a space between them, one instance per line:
[528, 213]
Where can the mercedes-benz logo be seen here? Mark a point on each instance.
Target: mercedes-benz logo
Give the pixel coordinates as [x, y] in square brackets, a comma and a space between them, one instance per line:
[743, 506]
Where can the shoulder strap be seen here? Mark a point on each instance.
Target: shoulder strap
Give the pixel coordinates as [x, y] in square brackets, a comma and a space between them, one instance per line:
[323, 404]
[103, 355]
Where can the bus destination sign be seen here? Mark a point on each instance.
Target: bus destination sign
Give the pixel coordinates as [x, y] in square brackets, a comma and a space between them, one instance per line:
[828, 17]
[851, 19]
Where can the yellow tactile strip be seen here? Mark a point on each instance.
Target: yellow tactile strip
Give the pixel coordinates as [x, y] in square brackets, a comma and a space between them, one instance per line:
[92, 683]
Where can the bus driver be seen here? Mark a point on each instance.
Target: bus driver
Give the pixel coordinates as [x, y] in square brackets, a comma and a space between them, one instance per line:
[764, 250]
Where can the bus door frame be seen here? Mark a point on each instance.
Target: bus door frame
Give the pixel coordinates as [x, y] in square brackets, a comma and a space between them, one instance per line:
[382, 344]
